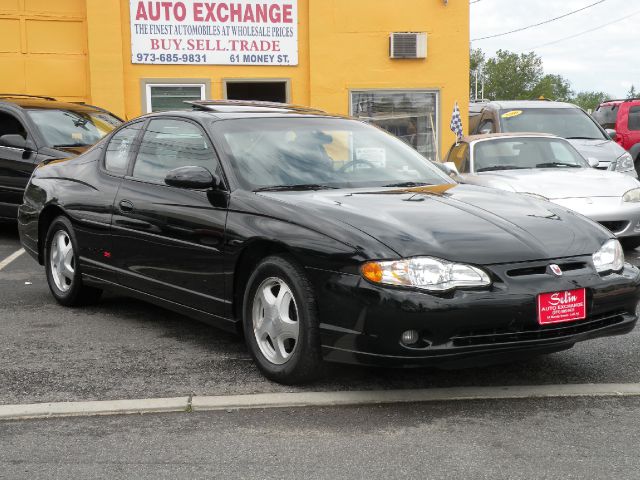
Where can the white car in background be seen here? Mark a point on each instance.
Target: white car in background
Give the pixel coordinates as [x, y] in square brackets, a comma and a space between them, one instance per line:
[549, 167]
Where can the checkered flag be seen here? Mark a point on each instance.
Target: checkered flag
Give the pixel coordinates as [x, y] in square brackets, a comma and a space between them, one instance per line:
[456, 122]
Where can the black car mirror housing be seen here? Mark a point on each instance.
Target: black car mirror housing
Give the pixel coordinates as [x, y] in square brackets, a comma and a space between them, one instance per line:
[13, 141]
[192, 177]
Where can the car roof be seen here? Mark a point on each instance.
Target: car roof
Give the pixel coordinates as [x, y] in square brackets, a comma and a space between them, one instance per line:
[512, 104]
[233, 109]
[489, 136]
[38, 102]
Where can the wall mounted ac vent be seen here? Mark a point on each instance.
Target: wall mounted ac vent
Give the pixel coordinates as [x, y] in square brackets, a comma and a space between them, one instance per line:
[408, 45]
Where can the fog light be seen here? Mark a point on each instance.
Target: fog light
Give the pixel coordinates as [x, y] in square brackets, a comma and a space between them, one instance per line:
[410, 337]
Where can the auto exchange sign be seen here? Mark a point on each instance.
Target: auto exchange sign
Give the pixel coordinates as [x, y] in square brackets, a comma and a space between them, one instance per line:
[242, 32]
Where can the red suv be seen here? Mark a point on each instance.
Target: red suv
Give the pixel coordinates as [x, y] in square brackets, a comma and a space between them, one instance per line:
[623, 116]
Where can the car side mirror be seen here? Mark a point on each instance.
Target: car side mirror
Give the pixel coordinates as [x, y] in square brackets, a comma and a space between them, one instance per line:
[192, 177]
[13, 141]
[612, 133]
[451, 167]
[593, 162]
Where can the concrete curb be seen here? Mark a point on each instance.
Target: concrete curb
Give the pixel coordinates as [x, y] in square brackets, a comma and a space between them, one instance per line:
[102, 407]
[311, 399]
[320, 399]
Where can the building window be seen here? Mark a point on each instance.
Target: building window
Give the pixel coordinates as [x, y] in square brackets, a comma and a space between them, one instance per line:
[411, 115]
[161, 97]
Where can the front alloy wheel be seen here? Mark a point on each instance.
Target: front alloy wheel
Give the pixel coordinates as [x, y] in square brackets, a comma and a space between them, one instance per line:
[280, 321]
[275, 320]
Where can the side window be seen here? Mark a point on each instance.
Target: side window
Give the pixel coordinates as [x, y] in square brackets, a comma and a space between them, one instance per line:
[10, 125]
[486, 126]
[634, 118]
[169, 144]
[119, 148]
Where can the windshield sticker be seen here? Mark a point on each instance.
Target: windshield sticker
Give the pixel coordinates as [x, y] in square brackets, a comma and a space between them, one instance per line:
[377, 157]
[512, 113]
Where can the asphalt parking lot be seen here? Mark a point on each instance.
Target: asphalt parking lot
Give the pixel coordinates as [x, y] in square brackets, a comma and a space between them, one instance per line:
[124, 348]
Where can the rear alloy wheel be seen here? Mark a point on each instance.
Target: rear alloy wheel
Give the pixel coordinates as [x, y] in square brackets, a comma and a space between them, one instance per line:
[61, 266]
[280, 322]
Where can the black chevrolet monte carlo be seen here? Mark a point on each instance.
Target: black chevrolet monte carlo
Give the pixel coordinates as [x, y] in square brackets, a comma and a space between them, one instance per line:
[321, 238]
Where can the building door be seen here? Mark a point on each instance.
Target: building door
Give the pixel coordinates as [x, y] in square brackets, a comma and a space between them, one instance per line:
[266, 91]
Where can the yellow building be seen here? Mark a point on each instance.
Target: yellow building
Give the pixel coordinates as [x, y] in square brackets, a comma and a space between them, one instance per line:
[135, 56]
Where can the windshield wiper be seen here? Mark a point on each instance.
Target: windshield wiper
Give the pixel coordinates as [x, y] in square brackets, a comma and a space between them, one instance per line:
[408, 184]
[557, 164]
[299, 187]
[584, 138]
[500, 167]
[72, 145]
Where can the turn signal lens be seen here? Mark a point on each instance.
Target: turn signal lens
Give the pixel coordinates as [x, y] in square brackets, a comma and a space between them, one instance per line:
[372, 271]
[426, 273]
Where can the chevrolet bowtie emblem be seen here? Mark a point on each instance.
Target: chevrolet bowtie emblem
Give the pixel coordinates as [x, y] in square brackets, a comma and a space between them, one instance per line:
[556, 270]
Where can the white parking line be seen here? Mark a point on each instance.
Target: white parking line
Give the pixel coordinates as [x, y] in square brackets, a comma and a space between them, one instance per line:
[11, 258]
[312, 399]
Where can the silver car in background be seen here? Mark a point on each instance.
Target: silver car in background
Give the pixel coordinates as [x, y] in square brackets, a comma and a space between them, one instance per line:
[550, 168]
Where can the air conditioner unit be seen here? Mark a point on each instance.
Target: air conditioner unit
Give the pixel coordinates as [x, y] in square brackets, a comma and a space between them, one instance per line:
[408, 45]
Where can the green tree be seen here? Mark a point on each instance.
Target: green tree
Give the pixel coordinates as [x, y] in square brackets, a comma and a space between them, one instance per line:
[589, 101]
[509, 76]
[476, 64]
[553, 87]
[632, 92]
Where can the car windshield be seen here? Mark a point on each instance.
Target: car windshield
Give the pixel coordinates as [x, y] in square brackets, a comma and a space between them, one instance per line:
[520, 153]
[606, 115]
[563, 122]
[72, 128]
[314, 153]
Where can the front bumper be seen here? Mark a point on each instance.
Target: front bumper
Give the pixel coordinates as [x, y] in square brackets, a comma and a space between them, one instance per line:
[363, 323]
[622, 218]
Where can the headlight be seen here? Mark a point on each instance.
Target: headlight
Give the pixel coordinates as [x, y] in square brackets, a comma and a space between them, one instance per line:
[632, 195]
[610, 257]
[535, 195]
[426, 273]
[624, 163]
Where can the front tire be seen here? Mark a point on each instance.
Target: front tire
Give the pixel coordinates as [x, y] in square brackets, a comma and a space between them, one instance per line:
[61, 266]
[280, 322]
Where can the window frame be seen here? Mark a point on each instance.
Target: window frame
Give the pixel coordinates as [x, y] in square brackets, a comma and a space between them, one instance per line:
[147, 84]
[438, 103]
[631, 110]
[207, 137]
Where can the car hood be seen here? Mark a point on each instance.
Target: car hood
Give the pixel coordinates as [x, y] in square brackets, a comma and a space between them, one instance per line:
[602, 150]
[462, 223]
[556, 183]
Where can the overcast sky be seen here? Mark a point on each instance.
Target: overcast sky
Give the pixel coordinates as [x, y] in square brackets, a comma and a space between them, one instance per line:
[606, 59]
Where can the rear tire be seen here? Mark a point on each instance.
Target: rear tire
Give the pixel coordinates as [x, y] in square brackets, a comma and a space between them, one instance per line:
[62, 268]
[280, 322]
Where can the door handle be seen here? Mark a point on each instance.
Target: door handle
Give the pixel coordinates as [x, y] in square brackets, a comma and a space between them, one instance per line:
[126, 206]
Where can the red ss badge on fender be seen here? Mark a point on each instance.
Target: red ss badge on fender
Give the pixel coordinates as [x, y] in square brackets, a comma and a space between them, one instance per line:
[558, 307]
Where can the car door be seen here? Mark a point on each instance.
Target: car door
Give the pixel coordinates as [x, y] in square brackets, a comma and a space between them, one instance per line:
[168, 241]
[16, 164]
[92, 208]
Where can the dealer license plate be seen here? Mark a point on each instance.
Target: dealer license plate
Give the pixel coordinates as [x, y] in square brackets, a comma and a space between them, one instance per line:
[558, 307]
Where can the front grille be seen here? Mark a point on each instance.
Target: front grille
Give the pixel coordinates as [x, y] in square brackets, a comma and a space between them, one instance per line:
[543, 332]
[542, 269]
[615, 226]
